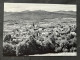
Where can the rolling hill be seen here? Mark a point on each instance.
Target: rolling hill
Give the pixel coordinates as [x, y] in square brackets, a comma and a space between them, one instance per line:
[38, 15]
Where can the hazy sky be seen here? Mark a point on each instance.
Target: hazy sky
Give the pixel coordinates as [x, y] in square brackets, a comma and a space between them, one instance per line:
[18, 7]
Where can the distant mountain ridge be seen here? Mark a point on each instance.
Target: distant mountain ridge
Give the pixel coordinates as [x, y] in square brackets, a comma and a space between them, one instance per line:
[67, 12]
[37, 15]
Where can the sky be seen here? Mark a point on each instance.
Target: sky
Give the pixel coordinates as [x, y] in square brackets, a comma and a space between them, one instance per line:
[18, 7]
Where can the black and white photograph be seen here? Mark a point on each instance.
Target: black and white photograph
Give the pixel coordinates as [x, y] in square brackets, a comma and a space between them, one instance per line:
[31, 29]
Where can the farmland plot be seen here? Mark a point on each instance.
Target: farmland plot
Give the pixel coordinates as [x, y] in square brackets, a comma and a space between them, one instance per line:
[39, 33]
